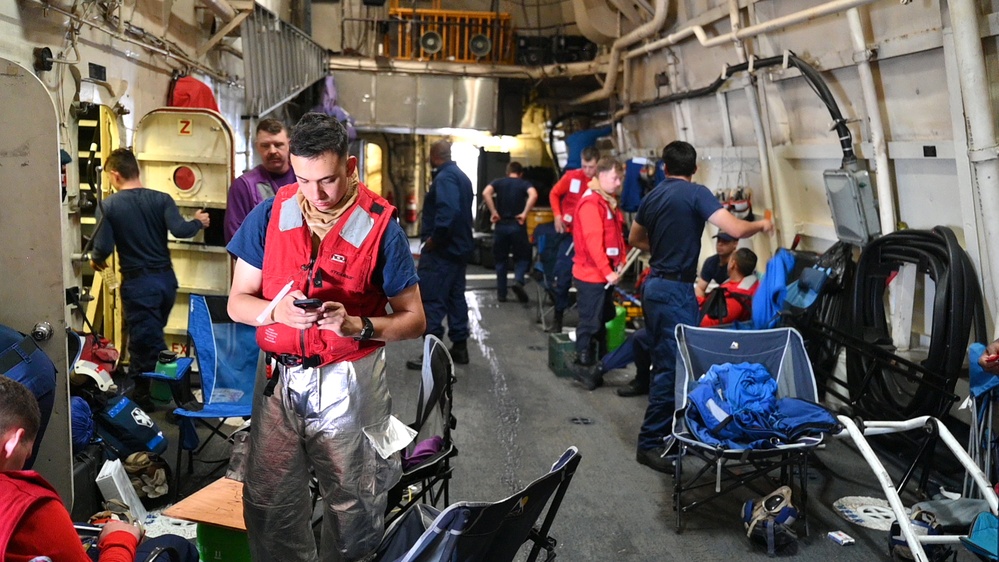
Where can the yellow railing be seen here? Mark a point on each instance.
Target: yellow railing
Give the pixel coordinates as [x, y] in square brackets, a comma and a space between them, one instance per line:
[455, 31]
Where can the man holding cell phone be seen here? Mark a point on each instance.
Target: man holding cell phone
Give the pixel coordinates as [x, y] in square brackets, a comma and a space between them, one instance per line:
[317, 266]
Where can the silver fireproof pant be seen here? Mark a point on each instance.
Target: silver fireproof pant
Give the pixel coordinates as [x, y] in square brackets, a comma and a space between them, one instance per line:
[331, 421]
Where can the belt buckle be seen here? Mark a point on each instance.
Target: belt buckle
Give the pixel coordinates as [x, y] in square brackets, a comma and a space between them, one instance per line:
[289, 360]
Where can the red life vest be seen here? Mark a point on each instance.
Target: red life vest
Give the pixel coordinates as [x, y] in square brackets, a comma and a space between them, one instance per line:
[612, 226]
[578, 181]
[341, 272]
[21, 490]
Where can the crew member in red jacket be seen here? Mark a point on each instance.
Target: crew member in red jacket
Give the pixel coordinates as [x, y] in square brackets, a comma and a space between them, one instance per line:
[33, 520]
[738, 290]
[563, 197]
[316, 266]
[598, 236]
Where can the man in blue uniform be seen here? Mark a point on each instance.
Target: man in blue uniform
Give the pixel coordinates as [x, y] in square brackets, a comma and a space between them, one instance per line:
[136, 221]
[715, 268]
[510, 199]
[446, 232]
[669, 224]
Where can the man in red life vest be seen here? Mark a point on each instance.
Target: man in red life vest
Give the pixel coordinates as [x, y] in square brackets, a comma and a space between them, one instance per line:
[563, 197]
[600, 253]
[738, 290]
[33, 520]
[316, 266]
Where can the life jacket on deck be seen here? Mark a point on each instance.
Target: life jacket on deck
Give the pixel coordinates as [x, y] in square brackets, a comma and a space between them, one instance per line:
[341, 272]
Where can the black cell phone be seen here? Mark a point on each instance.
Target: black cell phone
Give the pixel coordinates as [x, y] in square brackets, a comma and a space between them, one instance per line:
[308, 304]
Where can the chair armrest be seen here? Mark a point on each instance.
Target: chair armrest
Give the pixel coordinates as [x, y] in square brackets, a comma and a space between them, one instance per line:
[183, 366]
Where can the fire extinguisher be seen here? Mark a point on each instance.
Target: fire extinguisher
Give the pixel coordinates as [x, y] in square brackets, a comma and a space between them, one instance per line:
[411, 208]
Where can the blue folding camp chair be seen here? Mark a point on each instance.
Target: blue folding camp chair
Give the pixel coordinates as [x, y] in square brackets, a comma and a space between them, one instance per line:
[545, 241]
[227, 356]
[483, 531]
[781, 351]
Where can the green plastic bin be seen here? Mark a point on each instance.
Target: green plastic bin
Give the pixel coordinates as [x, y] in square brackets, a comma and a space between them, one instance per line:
[219, 544]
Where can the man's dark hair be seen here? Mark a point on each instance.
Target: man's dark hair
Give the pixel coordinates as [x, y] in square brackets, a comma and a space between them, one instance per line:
[680, 159]
[589, 153]
[271, 126]
[745, 261]
[514, 168]
[123, 161]
[316, 134]
[18, 408]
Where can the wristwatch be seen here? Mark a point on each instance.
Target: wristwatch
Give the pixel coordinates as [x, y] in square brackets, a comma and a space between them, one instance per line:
[367, 331]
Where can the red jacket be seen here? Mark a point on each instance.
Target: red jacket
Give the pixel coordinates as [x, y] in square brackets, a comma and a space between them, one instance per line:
[565, 195]
[738, 301]
[341, 272]
[598, 239]
[33, 522]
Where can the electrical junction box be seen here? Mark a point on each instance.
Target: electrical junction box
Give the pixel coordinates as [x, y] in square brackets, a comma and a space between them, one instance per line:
[854, 211]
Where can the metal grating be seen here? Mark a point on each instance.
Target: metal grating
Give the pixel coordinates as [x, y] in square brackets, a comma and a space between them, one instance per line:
[280, 60]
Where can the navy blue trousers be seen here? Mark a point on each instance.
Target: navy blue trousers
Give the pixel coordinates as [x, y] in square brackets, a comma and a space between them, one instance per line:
[563, 272]
[666, 304]
[442, 287]
[147, 301]
[510, 238]
[596, 307]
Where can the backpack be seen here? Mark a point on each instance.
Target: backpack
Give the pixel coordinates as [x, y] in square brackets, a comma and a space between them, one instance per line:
[126, 429]
[768, 521]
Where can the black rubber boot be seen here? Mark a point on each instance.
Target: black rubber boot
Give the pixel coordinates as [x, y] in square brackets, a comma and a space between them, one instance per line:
[556, 327]
[587, 370]
[459, 352]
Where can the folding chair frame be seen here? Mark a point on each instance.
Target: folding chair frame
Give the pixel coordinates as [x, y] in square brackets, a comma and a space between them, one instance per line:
[858, 435]
[493, 531]
[742, 467]
[433, 475]
[729, 468]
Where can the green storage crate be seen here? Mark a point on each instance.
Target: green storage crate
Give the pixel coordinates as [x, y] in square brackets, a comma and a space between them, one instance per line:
[221, 544]
[561, 354]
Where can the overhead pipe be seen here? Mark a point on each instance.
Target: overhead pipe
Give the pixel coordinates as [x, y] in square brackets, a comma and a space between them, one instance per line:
[753, 100]
[222, 9]
[834, 7]
[562, 70]
[964, 20]
[883, 180]
[641, 32]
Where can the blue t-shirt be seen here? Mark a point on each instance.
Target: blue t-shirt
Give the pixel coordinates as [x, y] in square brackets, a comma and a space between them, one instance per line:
[674, 214]
[713, 270]
[511, 196]
[394, 270]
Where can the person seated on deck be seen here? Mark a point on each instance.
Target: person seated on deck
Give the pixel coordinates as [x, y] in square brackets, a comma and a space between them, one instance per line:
[738, 291]
[34, 522]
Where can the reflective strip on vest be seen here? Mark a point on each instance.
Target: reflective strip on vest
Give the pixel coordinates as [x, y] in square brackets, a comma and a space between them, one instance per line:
[291, 215]
[357, 227]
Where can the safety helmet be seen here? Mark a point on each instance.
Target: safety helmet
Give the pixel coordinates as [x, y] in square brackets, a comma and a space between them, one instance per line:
[85, 371]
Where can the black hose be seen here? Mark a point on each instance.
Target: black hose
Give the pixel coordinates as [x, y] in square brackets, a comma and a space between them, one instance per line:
[957, 315]
[808, 72]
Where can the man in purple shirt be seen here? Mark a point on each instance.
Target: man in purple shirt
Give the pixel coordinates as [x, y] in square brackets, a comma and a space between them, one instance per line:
[262, 182]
